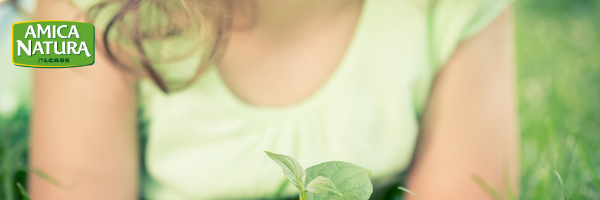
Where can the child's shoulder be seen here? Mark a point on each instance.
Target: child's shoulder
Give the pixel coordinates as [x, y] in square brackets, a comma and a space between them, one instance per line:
[453, 21]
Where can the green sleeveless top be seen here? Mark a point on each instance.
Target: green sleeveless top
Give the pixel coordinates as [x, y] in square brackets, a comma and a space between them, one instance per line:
[205, 143]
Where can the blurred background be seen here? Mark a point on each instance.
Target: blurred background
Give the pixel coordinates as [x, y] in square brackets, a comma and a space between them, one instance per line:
[558, 58]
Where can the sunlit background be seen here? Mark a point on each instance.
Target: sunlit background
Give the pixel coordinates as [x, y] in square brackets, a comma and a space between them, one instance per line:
[558, 47]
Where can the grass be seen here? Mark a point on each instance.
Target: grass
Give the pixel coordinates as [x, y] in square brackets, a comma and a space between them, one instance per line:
[558, 57]
[409, 192]
[558, 45]
[562, 184]
[13, 153]
[22, 191]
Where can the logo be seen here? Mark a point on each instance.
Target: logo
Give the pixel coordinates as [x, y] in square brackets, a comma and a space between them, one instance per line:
[53, 44]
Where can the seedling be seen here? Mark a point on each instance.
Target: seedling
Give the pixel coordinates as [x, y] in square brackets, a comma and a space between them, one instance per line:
[334, 180]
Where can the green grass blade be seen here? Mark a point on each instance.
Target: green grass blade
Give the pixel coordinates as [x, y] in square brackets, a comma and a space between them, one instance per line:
[410, 192]
[281, 189]
[508, 185]
[45, 176]
[22, 191]
[561, 185]
[586, 159]
[493, 193]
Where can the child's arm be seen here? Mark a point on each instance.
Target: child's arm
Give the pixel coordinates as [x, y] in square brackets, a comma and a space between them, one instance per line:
[83, 131]
[470, 126]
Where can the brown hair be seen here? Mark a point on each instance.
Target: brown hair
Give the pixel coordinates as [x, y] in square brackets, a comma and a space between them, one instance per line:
[137, 23]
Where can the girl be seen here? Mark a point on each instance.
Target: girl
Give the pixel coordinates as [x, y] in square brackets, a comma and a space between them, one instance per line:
[390, 85]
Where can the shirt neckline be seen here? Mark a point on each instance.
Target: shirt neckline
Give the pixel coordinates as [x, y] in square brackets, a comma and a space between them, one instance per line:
[330, 88]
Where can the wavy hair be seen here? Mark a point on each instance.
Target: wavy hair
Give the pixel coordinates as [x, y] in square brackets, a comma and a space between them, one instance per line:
[138, 33]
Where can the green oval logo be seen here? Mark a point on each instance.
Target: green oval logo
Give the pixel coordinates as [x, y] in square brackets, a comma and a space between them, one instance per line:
[53, 44]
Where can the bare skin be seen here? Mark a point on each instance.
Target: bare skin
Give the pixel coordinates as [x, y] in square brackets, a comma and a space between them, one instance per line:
[470, 124]
[286, 37]
[84, 121]
[83, 130]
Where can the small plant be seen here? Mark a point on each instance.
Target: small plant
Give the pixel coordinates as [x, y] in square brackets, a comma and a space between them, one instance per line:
[334, 180]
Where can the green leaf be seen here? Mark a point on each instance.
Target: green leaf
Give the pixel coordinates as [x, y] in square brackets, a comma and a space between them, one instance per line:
[291, 168]
[322, 185]
[351, 180]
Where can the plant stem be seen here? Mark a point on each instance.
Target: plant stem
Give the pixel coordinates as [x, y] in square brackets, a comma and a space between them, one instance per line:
[302, 194]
